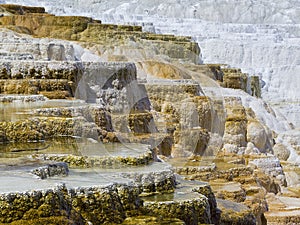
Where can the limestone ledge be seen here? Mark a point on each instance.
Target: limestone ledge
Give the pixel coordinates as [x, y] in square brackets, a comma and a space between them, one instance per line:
[177, 101]
[187, 170]
[90, 121]
[97, 204]
[233, 181]
[40, 70]
[136, 123]
[85, 29]
[244, 133]
[208, 175]
[192, 211]
[161, 143]
[77, 205]
[245, 170]
[24, 98]
[69, 70]
[48, 88]
[235, 213]
[206, 190]
[284, 218]
[234, 78]
[100, 162]
[42, 25]
[172, 90]
[150, 183]
[217, 71]
[199, 209]
[189, 142]
[284, 209]
[79, 79]
[177, 97]
[18, 47]
[186, 113]
[20, 10]
[92, 112]
[230, 191]
[39, 128]
[182, 47]
[271, 166]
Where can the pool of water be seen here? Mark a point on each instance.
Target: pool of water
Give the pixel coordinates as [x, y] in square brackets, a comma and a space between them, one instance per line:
[19, 179]
[17, 160]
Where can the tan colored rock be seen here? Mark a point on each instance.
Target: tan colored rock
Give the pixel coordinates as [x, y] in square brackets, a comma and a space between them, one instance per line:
[217, 71]
[46, 25]
[51, 88]
[235, 79]
[235, 213]
[190, 142]
[137, 123]
[163, 70]
[20, 10]
[41, 128]
[281, 151]
[172, 91]
[191, 211]
[235, 133]
[283, 210]
[236, 124]
[104, 37]
[257, 135]
[230, 191]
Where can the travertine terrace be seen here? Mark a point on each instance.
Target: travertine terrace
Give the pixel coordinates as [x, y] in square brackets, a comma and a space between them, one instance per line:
[107, 124]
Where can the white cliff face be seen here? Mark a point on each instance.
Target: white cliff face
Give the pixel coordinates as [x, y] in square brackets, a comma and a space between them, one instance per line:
[229, 11]
[21, 47]
[262, 37]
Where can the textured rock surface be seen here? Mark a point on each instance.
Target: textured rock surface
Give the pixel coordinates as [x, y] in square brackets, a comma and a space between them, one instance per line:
[232, 181]
[111, 92]
[281, 151]
[155, 95]
[50, 170]
[96, 204]
[260, 36]
[271, 166]
[74, 204]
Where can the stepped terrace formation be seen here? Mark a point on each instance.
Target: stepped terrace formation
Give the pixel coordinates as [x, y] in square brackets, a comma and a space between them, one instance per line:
[107, 124]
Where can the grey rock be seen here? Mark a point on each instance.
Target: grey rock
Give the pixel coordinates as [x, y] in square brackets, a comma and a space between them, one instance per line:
[51, 170]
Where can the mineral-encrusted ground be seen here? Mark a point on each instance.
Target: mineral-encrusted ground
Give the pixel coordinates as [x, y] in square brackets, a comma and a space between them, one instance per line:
[135, 137]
